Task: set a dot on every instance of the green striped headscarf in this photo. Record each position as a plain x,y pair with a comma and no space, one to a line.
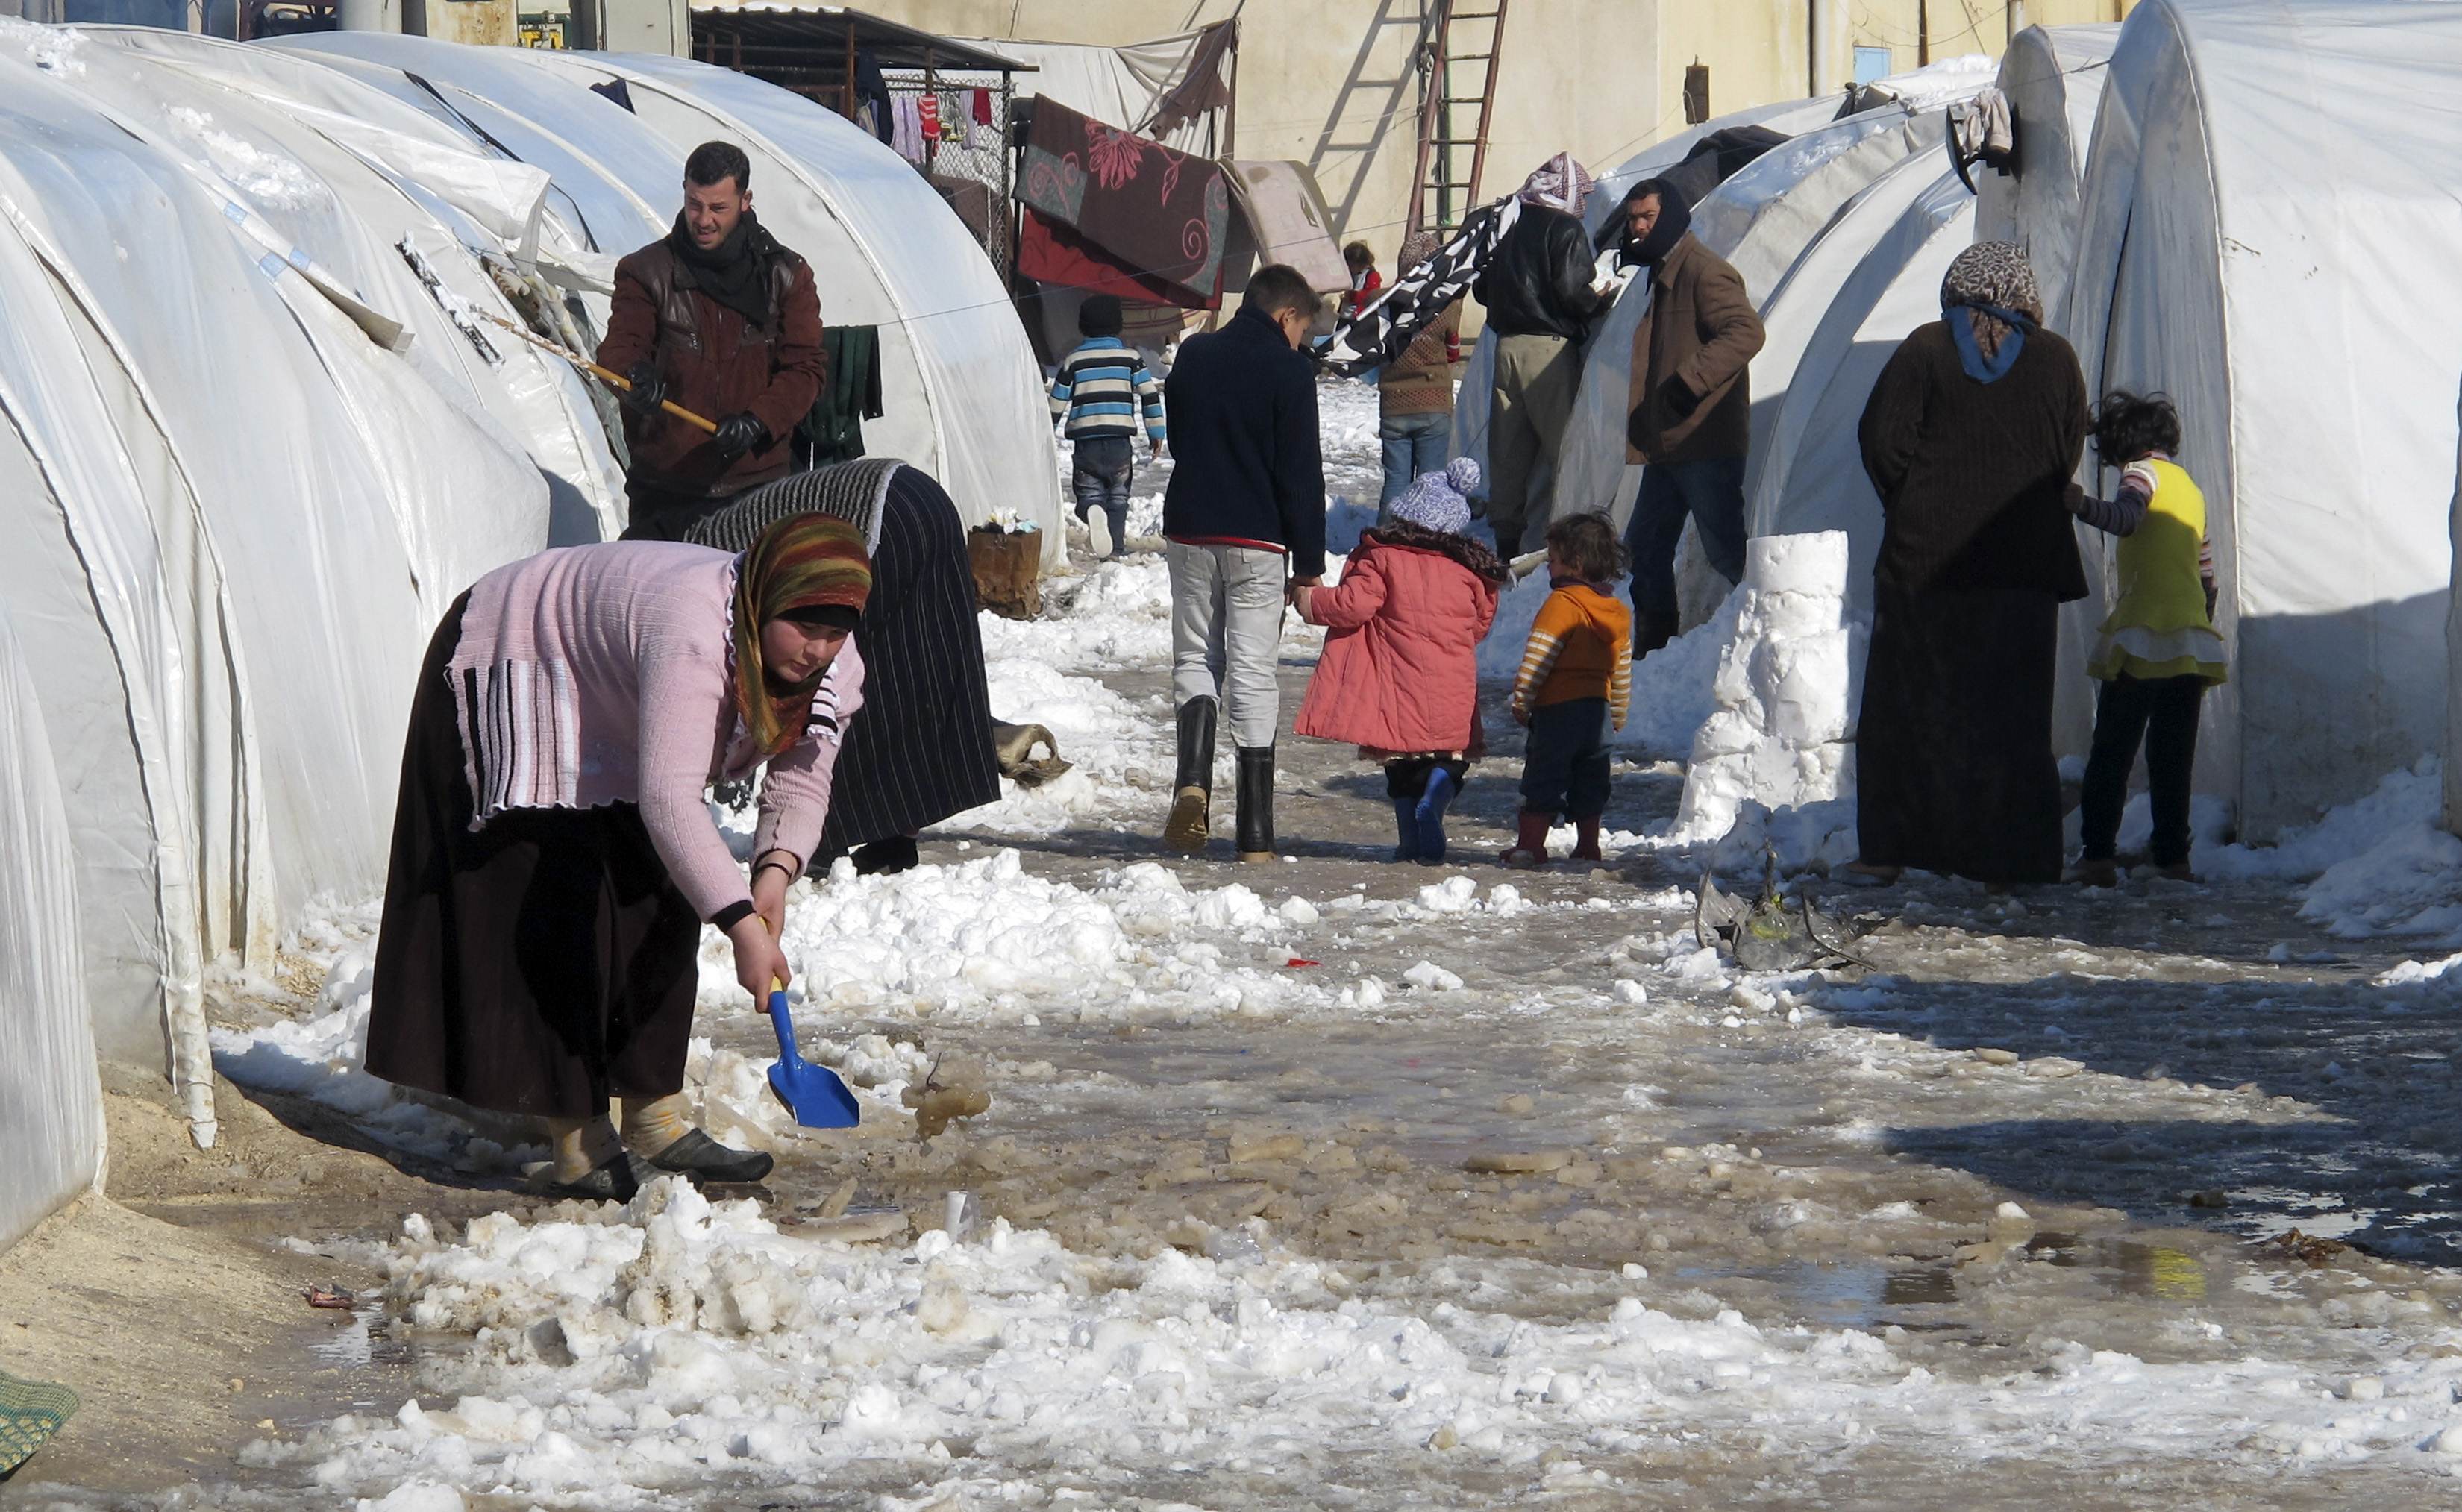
807,561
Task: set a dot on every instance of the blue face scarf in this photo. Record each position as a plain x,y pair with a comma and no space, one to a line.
1969,352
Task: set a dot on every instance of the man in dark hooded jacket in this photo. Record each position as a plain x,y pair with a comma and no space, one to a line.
718,319
1689,407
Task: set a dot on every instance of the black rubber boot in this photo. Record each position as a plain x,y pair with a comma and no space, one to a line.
885,857
1255,818
1191,790
1652,631
702,1158
614,1181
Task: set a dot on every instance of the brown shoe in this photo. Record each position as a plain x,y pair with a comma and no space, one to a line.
2096,872
2177,872
1865,874
1586,840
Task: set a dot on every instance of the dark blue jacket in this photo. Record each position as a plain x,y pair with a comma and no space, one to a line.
1243,444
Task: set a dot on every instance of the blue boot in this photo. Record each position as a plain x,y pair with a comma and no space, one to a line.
1406,819
1429,814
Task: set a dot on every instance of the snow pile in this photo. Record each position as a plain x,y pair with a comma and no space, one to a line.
1120,756
986,941
1673,687
1777,759
1115,615
681,1348
53,48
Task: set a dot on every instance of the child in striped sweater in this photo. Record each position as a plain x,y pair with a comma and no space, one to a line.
1095,399
1576,680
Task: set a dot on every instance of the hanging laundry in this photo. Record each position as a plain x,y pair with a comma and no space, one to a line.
908,136
834,429
953,117
929,107
982,107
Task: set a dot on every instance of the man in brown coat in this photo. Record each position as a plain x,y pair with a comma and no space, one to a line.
1690,409
719,318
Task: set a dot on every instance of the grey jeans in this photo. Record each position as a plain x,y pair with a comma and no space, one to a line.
1226,633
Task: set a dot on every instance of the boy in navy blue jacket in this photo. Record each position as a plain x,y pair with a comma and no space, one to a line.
1094,400
1245,519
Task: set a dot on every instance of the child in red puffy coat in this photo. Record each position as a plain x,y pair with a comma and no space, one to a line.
1400,677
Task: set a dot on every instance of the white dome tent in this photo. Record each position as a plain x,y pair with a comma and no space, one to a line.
1869,281
959,384
2267,211
225,559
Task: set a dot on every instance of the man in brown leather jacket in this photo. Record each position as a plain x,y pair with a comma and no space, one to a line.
717,318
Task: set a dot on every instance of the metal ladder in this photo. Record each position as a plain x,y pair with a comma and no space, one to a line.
1440,193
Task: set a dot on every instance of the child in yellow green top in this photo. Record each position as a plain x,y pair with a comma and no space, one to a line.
1576,680
2159,650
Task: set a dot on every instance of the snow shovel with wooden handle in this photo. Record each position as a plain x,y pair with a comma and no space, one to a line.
813,1094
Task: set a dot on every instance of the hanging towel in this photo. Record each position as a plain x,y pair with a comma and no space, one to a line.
850,396
982,107
908,114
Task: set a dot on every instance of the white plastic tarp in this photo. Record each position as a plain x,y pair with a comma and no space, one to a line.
51,1100
238,516
2053,76
2269,209
1119,86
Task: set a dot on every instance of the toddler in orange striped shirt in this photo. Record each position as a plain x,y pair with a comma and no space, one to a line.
1576,680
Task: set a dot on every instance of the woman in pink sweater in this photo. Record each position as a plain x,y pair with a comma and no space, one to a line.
1400,677
554,854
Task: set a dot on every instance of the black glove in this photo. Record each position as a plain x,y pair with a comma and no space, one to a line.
648,388
1682,400
737,434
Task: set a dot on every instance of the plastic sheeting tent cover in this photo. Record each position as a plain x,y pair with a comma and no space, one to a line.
50,1100
2268,218
960,384
2054,79
223,603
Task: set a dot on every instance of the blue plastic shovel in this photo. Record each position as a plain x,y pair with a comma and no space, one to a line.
813,1094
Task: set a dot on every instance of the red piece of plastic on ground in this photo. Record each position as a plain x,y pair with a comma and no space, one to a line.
1297,961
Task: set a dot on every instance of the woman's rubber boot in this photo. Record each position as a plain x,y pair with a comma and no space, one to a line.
1191,790
1530,843
1586,839
1406,825
1256,816
589,1161
702,1158
1652,631
1429,814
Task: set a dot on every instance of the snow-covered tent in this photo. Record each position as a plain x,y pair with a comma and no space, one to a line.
237,504
50,1101
959,384
2267,212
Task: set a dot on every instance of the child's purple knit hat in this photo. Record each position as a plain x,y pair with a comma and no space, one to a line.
1437,501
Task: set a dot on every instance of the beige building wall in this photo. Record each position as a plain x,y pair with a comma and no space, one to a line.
1331,83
